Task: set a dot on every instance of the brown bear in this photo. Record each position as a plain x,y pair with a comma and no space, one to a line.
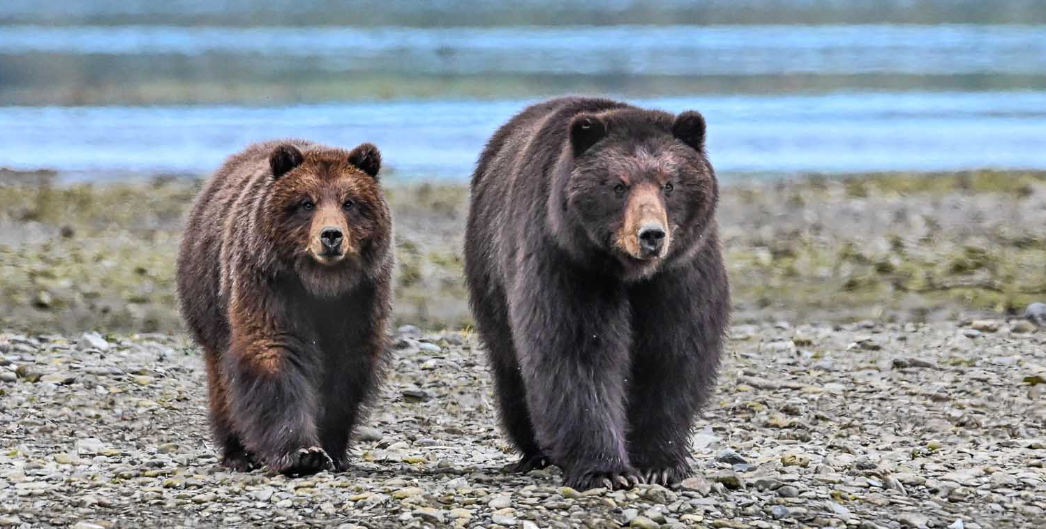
284,281
597,283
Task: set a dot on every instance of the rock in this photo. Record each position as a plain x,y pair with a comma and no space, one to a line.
87,525
913,520
59,379
788,491
502,519
430,514
730,457
842,512
500,502
407,492
93,340
368,434
957,524
697,484
779,511
8,376
642,522
729,479
204,498
143,380
89,446
416,395
429,347
460,513
1036,313
1022,327
985,325
10,521
659,495
263,494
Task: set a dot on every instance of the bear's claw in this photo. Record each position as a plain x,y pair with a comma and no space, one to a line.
304,461
621,479
528,463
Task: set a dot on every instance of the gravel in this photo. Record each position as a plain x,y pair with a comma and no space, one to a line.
932,428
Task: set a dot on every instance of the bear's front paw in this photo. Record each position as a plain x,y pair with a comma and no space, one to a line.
665,475
528,463
624,478
303,462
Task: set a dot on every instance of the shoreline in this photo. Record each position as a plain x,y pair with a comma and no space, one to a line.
882,247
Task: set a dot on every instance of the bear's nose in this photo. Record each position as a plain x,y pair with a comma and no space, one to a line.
331,238
651,238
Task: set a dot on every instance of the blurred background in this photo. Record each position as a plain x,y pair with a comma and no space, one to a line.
881,159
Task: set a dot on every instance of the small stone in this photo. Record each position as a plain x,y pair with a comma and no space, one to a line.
143,380
912,520
985,325
779,511
729,479
788,491
527,524
642,522
89,446
500,502
416,395
8,376
659,495
430,514
1035,313
502,519
429,347
10,521
204,498
730,457
58,379
408,331
64,459
569,493
263,494
87,525
368,434
957,524
698,484
93,340
1022,327
407,492
460,513
842,512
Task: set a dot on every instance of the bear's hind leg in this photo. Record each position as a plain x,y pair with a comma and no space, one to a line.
493,327
234,455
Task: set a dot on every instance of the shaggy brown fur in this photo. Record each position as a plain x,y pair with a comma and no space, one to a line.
284,280
596,279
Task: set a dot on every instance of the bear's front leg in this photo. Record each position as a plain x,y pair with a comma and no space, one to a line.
572,334
272,395
679,319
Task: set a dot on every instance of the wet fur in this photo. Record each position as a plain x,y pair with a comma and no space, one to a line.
293,349
601,362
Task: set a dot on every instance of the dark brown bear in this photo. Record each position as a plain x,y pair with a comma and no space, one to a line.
598,287
284,278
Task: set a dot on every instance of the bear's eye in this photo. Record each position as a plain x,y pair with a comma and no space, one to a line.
669,187
348,205
308,205
619,189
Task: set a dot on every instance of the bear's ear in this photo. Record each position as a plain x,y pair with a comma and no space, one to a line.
366,158
284,158
689,127
585,131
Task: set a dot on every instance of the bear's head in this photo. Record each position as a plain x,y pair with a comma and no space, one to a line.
327,216
639,188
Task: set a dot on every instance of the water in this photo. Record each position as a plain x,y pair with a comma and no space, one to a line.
176,89
441,139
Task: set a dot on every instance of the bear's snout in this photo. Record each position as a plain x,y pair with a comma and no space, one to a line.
651,239
331,238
